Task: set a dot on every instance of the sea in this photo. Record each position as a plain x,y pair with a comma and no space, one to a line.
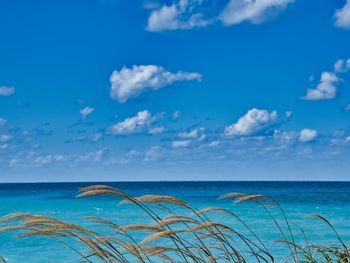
59,200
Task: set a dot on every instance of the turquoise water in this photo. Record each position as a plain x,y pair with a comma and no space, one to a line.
330,199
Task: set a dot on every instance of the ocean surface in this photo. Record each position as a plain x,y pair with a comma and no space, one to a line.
330,199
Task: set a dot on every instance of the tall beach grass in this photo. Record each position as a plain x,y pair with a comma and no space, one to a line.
179,232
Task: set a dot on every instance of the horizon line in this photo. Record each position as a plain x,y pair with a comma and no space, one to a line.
181,181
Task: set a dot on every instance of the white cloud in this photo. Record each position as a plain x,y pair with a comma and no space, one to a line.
156,130
181,144
255,120
97,136
254,11
89,138
326,88
191,134
2,121
50,158
176,115
307,135
187,14
95,155
202,137
7,91
289,114
285,137
135,124
214,143
85,112
130,83
342,16
5,137
154,153
192,137
341,66
179,15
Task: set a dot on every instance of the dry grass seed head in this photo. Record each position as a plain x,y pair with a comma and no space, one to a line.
11,228
231,195
209,225
181,217
132,249
248,198
44,232
156,249
153,199
164,233
94,247
100,192
168,222
15,216
96,187
140,227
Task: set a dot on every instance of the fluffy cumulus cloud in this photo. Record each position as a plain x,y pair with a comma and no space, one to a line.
7,91
191,137
342,65
85,112
187,14
131,82
254,121
139,123
342,16
179,15
307,135
254,11
195,133
326,88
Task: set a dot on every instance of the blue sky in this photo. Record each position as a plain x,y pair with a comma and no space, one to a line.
174,90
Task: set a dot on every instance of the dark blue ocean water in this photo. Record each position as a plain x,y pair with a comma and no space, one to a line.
330,199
